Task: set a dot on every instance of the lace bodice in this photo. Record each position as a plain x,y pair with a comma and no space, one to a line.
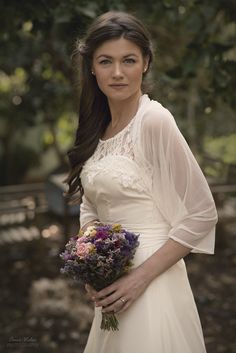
120,144
109,157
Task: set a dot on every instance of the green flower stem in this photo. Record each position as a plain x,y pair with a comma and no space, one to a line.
109,322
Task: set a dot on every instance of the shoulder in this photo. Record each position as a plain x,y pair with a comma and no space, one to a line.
156,117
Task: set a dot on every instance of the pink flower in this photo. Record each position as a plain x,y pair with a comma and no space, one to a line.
84,249
80,240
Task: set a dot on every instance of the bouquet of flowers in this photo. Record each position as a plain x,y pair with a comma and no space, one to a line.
99,256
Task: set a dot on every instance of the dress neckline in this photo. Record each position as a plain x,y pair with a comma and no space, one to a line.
127,126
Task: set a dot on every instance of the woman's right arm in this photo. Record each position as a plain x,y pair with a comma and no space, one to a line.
88,213
88,217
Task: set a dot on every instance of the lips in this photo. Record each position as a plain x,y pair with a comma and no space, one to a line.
118,85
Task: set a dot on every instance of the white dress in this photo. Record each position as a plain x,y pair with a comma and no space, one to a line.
147,179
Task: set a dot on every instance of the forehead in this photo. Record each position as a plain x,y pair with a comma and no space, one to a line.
117,47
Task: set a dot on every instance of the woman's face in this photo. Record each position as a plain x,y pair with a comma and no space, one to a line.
118,65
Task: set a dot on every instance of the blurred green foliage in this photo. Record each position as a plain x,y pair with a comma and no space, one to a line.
193,74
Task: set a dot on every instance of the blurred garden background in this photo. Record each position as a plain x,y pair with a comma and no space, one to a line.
193,75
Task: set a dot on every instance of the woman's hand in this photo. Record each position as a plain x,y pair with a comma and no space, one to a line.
122,293
88,224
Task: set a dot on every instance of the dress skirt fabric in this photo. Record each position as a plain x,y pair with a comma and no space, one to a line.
164,319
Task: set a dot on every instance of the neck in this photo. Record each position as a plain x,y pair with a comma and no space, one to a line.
123,111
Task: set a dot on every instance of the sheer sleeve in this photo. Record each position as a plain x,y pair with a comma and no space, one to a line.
88,212
179,187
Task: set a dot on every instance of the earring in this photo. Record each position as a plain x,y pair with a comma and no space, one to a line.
93,73
144,70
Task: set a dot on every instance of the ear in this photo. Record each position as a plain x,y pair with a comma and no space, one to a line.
146,63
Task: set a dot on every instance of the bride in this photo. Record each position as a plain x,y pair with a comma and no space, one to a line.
134,167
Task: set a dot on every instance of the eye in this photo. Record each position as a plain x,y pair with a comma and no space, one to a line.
130,61
104,62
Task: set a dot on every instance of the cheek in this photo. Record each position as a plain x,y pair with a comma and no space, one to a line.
136,75
101,79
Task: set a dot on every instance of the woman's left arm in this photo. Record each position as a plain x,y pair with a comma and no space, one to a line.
182,195
180,190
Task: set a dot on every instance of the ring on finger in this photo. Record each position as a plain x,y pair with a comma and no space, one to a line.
122,300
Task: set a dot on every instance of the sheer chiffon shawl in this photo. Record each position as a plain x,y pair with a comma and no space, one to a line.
179,187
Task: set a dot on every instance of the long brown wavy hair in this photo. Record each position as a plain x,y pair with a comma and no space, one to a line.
94,113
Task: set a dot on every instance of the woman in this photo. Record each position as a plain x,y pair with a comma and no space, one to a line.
136,169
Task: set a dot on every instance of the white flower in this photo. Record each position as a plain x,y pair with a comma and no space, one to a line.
90,229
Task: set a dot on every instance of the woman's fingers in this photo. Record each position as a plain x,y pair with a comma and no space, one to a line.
107,291
104,302
117,307
91,291
124,307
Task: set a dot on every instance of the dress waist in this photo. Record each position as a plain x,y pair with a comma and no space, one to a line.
151,234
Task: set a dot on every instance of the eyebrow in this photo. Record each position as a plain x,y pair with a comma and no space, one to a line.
110,57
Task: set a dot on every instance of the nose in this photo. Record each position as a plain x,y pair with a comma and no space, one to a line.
117,71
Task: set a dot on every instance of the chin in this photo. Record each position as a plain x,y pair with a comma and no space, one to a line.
119,96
